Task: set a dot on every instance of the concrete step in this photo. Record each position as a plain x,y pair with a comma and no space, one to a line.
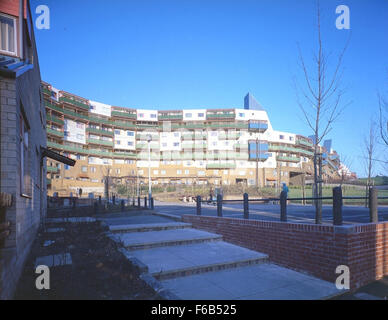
182,260
169,237
148,227
257,282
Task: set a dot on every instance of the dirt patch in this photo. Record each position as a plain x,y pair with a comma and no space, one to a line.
98,269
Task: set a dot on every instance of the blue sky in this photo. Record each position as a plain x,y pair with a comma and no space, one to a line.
192,54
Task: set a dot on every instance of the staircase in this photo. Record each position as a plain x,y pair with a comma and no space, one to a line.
195,264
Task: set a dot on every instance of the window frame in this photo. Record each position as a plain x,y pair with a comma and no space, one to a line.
15,53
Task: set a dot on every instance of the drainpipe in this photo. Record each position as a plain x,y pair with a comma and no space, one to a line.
21,17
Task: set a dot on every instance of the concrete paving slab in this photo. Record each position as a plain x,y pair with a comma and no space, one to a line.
60,259
148,227
257,282
71,220
135,219
195,257
148,239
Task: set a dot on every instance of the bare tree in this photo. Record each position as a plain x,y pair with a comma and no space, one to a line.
321,103
383,123
369,151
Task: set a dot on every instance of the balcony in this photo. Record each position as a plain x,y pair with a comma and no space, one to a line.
220,115
100,142
258,126
221,165
54,132
55,119
124,155
63,147
291,149
94,152
168,117
78,104
54,107
100,131
100,120
122,114
46,91
288,158
194,125
75,114
304,142
124,125
52,169
260,157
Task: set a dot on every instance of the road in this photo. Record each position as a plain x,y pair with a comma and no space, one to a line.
271,212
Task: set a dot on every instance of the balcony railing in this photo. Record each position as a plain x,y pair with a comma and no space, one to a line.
75,114
290,149
100,131
55,132
75,103
52,169
258,126
124,114
288,158
220,166
101,142
225,115
54,107
170,116
55,119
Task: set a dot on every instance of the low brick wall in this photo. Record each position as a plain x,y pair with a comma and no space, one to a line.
316,249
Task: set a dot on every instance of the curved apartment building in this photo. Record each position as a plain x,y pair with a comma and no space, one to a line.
198,146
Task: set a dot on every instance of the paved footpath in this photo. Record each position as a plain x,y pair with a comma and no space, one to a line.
195,264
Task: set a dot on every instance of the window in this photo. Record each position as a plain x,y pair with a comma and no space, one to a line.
25,177
291,138
117,132
66,133
176,134
67,167
118,171
164,144
7,34
201,115
141,115
281,137
84,169
215,171
118,142
130,143
187,171
241,115
188,115
179,172
156,172
130,133
163,171
214,133
93,169
176,144
153,115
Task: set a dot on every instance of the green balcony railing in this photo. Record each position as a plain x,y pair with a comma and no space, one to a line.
100,120
101,142
75,114
124,114
221,166
290,149
124,155
75,103
46,91
55,119
52,169
170,117
288,158
124,124
54,107
67,148
304,142
54,132
100,131
220,115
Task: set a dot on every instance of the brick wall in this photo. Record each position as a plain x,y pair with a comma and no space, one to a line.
315,249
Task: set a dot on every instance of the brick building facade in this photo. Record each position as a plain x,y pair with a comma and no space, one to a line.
22,139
